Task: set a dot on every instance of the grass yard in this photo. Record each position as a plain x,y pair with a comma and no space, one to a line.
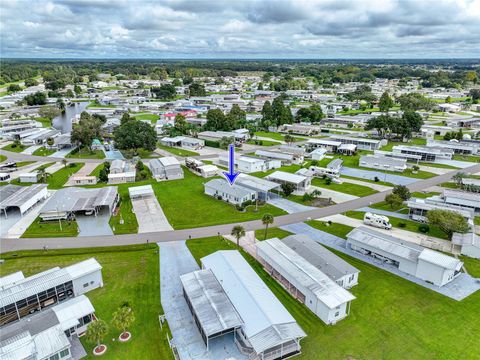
177,151
275,136
86,154
14,148
94,105
287,168
347,188
435,165
60,177
51,229
3,158
130,273
96,171
469,158
46,122
339,230
24,163
472,265
43,151
382,205
412,142
476,220
125,214
390,318
368,180
262,142
424,194
186,206
272,233
410,225
150,117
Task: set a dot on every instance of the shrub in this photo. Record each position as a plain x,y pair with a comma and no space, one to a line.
328,181
72,165
376,179
423,228
402,224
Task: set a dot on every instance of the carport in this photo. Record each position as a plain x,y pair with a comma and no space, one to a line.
21,197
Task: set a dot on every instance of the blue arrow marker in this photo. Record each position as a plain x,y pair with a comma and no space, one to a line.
231,175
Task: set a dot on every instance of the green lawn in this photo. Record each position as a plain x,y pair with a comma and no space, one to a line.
472,265
441,166
410,225
289,168
24,163
130,273
272,233
3,158
339,230
94,105
368,180
390,318
43,151
86,154
469,158
51,229
411,142
347,188
125,214
476,220
177,151
60,177
150,117
275,136
46,122
382,205
186,206
262,142
96,171
424,194
14,148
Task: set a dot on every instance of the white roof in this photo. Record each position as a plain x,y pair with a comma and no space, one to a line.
351,147
51,341
169,161
288,177
211,305
256,183
140,190
439,259
68,312
324,142
289,262
11,278
266,321
208,168
274,155
83,268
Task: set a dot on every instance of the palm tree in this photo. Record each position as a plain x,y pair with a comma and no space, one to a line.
43,175
267,219
238,232
289,139
96,331
123,318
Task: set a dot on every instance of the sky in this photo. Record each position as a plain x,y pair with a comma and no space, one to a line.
246,29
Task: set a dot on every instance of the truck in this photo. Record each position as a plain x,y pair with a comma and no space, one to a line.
376,220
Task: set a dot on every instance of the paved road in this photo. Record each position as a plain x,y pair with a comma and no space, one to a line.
175,235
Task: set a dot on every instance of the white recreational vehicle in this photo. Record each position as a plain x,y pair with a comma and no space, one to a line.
376,220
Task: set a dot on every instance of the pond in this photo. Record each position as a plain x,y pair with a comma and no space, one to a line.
63,122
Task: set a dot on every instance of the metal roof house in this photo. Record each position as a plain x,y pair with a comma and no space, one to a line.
211,308
48,334
21,296
362,143
462,198
328,300
426,154
183,141
121,172
22,198
260,185
286,159
330,145
458,147
418,209
268,330
300,182
383,163
235,194
249,164
166,168
324,260
469,244
66,202
428,265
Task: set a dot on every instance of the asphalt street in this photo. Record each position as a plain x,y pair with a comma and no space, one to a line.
7,245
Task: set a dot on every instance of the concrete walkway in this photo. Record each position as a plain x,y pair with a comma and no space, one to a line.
456,163
461,287
30,150
419,239
150,216
246,242
370,185
289,206
84,171
176,260
367,174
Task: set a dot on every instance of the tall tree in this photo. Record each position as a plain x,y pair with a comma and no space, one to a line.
448,221
215,120
267,219
134,135
123,318
386,102
96,331
236,118
196,89
402,191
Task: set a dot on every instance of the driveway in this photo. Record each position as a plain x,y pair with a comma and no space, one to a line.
456,163
176,260
150,216
84,171
462,286
373,186
289,206
94,225
61,153
30,150
370,175
336,196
